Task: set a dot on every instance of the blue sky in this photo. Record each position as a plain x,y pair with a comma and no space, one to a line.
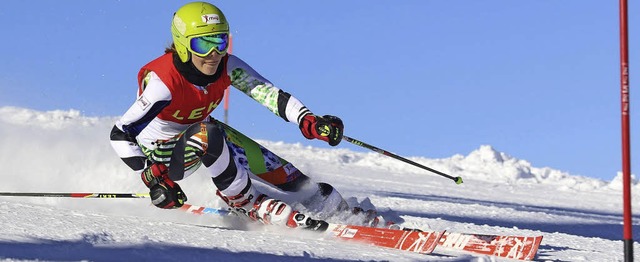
538,80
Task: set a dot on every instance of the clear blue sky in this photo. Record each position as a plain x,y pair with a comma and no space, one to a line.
538,80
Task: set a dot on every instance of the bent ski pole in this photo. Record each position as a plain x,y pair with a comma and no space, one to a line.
77,195
457,179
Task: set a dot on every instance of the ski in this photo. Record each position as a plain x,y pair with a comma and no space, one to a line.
513,247
200,210
408,240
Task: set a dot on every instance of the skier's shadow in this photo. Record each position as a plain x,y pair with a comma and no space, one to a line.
609,229
84,250
545,252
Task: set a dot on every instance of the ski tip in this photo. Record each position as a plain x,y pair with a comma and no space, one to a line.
458,180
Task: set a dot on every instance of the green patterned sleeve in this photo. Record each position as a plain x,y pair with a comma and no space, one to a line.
250,82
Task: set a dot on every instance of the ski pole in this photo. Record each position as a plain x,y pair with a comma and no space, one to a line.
77,195
457,179
192,209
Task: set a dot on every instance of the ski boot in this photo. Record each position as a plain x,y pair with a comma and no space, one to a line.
260,207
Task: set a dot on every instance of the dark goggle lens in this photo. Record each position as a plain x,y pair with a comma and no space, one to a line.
203,45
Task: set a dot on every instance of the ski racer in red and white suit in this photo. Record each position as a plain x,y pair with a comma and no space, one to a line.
168,133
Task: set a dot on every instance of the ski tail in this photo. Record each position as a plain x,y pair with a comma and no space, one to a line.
513,247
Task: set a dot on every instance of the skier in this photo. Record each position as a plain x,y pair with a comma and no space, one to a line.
167,133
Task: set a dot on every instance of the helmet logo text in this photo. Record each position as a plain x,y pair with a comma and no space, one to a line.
211,19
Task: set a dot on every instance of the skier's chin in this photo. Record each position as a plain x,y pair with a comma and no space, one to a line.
210,68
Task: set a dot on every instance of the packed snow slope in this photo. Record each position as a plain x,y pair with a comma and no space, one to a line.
63,151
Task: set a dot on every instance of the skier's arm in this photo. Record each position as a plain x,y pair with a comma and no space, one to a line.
148,105
243,77
247,80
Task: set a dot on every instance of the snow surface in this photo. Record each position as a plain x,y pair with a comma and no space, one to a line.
63,151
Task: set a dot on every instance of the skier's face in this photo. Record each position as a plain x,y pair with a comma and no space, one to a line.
208,65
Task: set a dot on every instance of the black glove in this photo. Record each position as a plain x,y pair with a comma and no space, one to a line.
326,128
163,191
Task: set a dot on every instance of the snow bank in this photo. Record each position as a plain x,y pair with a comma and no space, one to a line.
68,135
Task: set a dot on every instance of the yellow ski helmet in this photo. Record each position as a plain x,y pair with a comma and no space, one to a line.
194,20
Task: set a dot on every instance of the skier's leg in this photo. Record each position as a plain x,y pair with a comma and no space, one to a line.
232,179
277,171
320,198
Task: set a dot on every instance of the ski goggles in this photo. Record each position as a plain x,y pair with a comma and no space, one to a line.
204,45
